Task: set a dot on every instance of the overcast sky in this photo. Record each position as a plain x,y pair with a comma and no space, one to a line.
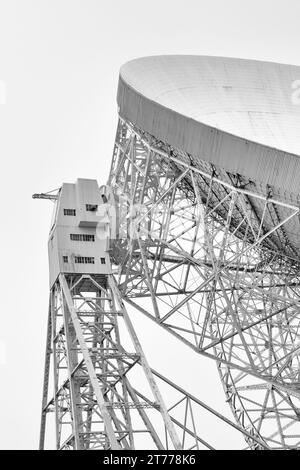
59,62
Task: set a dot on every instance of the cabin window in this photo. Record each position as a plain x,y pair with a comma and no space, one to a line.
82,237
70,212
102,260
65,259
91,207
84,260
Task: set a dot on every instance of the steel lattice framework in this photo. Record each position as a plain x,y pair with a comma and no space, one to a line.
197,258
97,400
198,230
200,253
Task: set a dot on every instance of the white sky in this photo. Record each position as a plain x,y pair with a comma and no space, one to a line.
59,62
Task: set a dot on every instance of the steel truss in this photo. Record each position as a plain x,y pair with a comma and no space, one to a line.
207,259
96,361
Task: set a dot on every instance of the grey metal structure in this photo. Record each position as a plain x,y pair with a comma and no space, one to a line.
98,398
202,205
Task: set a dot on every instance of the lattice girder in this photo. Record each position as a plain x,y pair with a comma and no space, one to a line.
207,260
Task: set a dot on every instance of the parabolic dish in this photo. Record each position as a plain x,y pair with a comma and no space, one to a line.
242,116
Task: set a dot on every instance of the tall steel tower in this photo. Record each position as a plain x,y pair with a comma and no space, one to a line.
197,229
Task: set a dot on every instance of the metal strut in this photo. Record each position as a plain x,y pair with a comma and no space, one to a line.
95,359
208,262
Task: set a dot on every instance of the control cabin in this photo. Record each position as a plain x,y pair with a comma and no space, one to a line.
79,235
